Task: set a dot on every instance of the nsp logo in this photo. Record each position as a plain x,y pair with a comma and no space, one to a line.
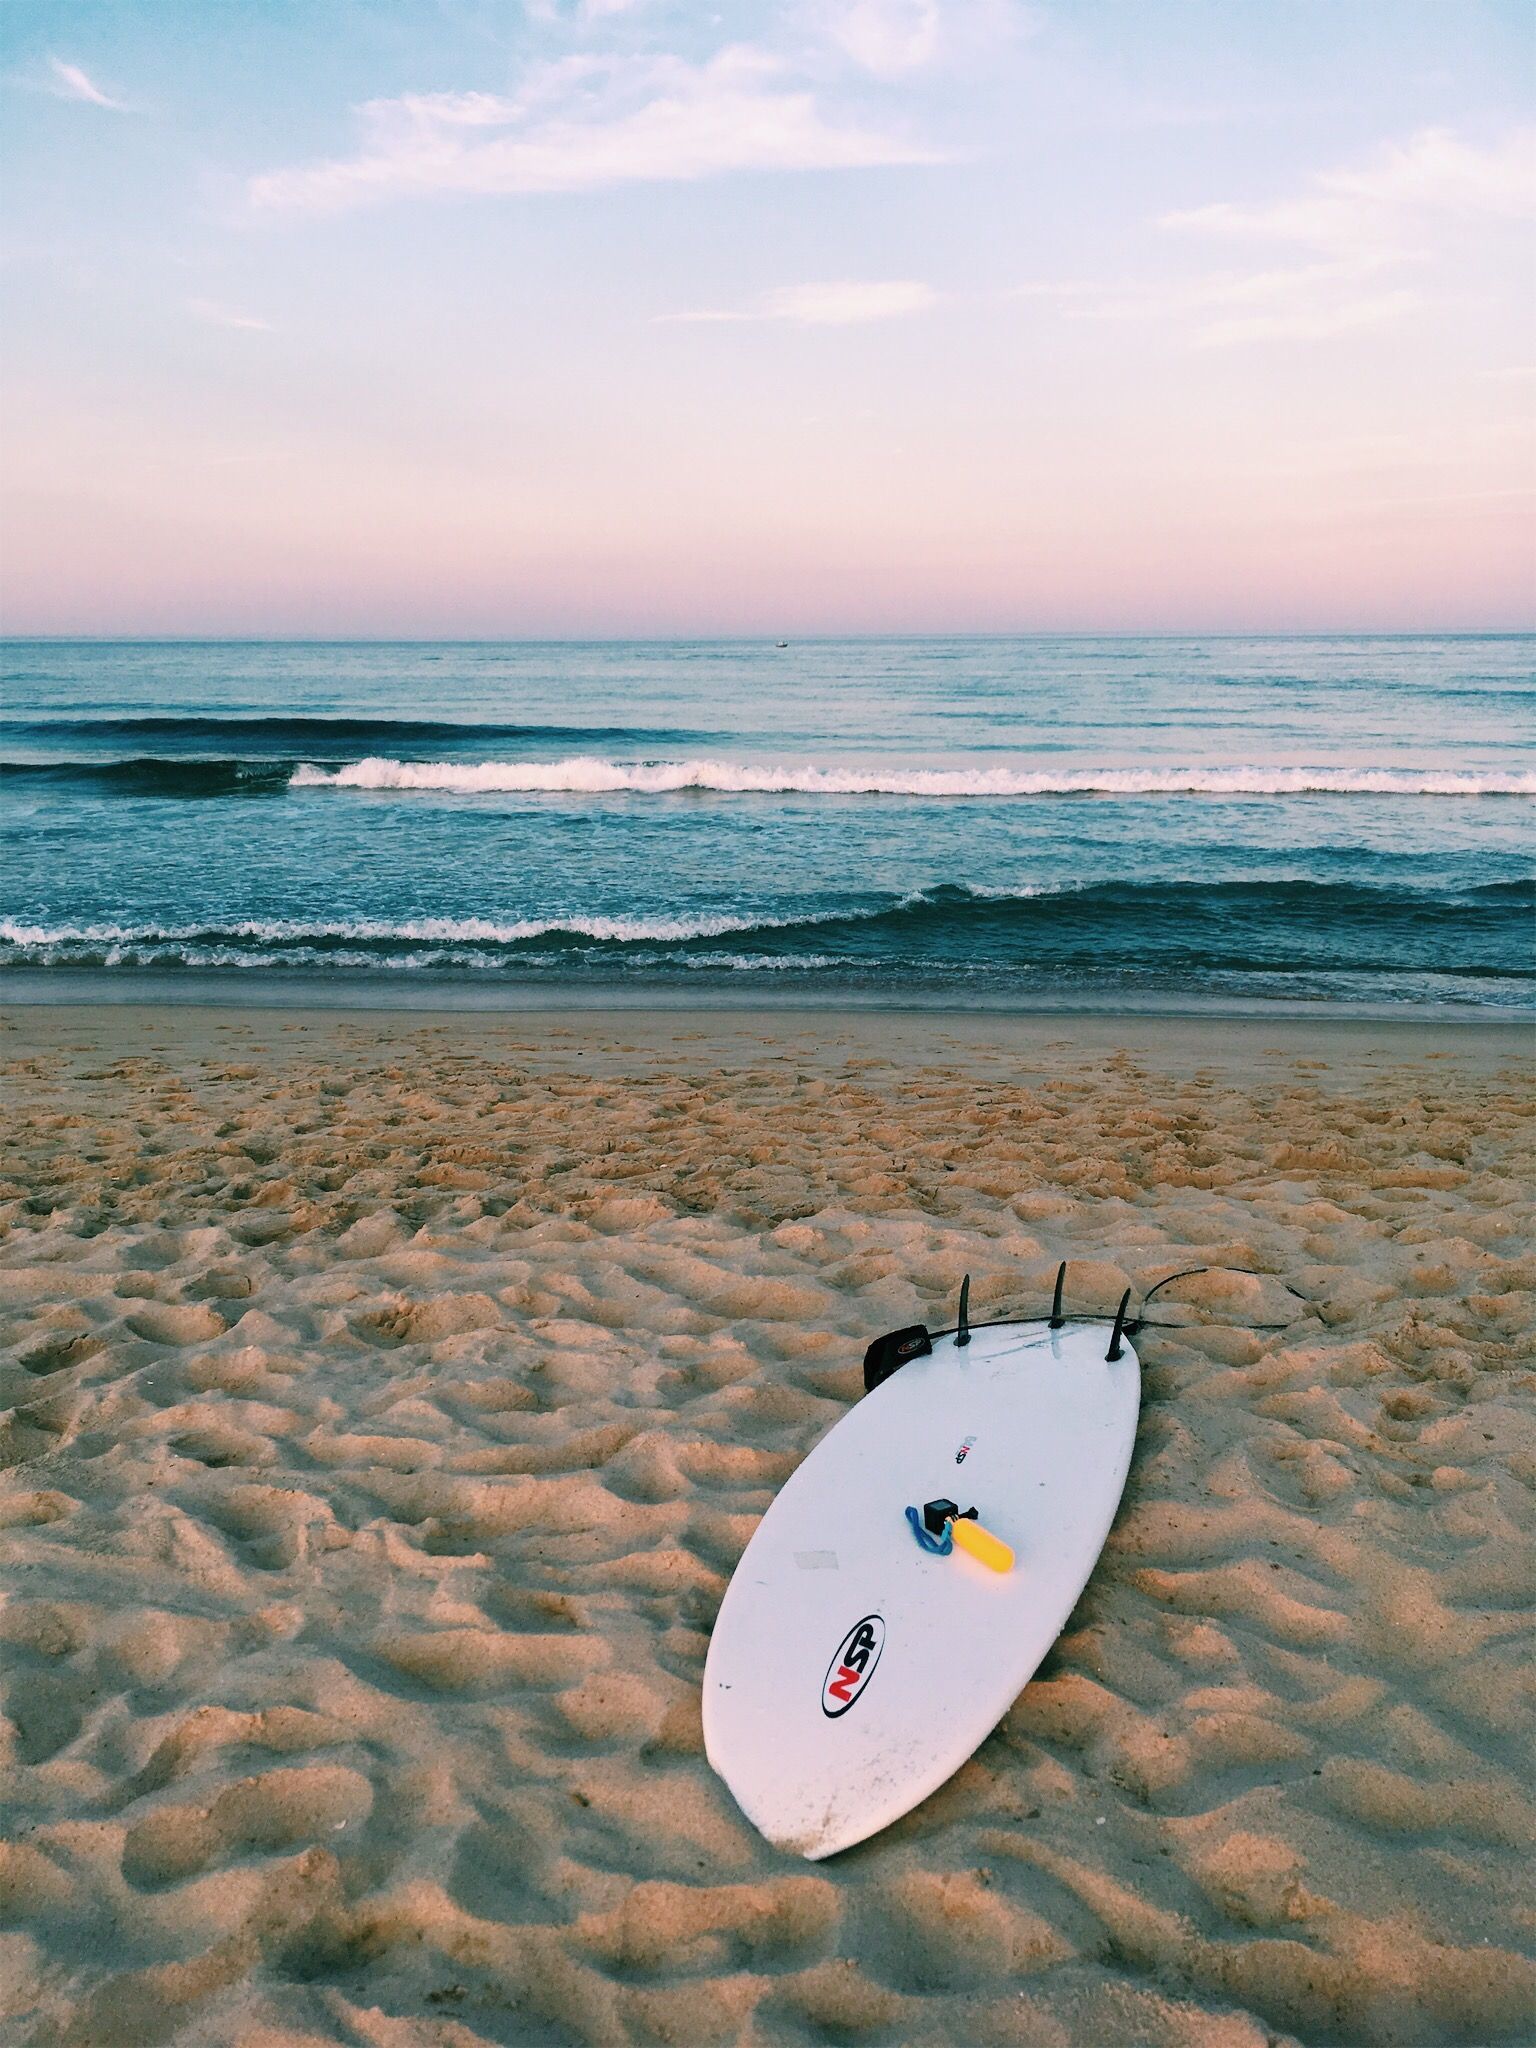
853,1666
960,1455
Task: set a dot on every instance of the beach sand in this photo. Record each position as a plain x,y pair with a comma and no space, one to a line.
389,1398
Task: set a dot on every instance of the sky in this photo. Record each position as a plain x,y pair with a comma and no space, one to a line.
590,318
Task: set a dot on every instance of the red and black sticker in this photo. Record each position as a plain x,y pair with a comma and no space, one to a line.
853,1666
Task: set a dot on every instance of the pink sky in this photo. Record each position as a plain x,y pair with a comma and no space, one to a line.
892,316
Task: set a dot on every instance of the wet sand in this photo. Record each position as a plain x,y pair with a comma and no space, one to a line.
388,1398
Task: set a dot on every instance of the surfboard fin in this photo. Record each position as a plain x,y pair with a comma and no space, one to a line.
891,1352
963,1333
1116,1348
1058,1320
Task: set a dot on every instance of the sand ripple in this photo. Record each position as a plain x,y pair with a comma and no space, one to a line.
386,1407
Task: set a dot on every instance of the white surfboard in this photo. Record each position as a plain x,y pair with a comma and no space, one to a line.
851,1671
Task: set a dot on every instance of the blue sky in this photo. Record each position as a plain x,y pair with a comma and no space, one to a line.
846,315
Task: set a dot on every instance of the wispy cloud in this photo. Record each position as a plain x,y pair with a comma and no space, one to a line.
1299,302
1312,302
887,36
69,82
587,122
1373,209
843,304
892,38
561,13
225,316
1361,233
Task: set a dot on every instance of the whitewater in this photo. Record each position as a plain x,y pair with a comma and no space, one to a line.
586,774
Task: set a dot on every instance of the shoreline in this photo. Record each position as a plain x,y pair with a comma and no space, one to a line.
700,1034
259,992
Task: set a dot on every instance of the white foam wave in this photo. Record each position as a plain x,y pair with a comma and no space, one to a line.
448,931
586,774
481,931
186,953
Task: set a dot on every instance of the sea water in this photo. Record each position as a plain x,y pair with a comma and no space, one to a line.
1024,822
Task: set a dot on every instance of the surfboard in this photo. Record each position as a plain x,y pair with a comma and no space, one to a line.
852,1670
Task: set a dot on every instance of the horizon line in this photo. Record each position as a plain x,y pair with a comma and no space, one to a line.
758,639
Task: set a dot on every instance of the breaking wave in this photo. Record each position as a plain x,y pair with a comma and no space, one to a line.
186,775
587,774
1253,928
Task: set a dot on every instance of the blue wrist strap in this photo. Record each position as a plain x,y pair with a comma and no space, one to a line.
939,1546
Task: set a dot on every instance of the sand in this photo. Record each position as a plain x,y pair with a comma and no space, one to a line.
389,1398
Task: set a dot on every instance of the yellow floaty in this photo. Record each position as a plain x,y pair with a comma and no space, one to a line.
990,1550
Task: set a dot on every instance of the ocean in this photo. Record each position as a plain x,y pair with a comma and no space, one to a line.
1026,823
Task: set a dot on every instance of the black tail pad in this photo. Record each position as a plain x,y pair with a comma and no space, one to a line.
891,1352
